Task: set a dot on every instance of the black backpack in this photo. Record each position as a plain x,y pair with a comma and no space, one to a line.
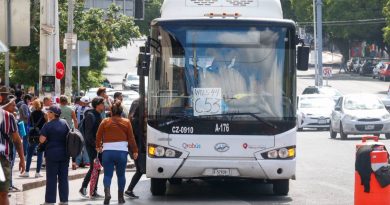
74,142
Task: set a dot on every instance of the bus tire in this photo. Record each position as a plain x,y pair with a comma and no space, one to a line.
158,187
281,187
175,181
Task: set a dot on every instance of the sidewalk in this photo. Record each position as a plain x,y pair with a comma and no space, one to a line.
25,184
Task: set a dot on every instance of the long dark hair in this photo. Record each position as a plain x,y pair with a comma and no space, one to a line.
117,109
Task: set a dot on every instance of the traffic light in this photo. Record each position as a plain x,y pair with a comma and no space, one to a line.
139,9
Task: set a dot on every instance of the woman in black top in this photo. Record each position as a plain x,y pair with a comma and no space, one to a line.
36,121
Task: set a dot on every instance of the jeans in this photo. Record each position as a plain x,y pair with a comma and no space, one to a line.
136,177
83,157
30,153
92,155
117,160
57,170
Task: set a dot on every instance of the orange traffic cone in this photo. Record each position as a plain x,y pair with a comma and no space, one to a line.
377,194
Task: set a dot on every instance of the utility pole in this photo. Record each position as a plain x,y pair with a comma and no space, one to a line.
315,44
7,43
68,72
319,44
49,51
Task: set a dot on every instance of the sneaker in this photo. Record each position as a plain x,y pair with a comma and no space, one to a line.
83,192
37,175
25,174
97,196
131,194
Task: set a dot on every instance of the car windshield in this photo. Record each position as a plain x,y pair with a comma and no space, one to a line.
316,103
363,103
330,92
132,77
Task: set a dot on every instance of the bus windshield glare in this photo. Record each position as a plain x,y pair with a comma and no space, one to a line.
229,73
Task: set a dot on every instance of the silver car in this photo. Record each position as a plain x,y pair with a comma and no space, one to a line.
314,111
359,114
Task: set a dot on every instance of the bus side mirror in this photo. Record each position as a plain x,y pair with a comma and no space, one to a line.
143,63
303,58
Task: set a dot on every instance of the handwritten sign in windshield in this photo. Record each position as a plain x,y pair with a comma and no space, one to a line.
207,101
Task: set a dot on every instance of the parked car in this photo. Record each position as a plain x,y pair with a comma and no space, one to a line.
130,82
378,67
325,90
359,114
384,74
314,111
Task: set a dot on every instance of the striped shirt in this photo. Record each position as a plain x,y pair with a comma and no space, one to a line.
7,127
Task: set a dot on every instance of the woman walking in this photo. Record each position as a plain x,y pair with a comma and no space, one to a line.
37,120
54,135
115,138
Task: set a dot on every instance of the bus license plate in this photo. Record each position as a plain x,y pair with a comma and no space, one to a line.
369,127
221,172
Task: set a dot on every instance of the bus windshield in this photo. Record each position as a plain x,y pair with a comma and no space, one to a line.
222,72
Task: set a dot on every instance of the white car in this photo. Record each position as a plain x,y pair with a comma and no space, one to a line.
360,114
314,111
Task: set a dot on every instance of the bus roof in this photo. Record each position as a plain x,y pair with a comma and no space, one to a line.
187,9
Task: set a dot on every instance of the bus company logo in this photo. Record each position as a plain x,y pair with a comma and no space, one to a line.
191,146
221,147
245,145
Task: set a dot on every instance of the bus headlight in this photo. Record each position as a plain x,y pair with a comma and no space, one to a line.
281,153
157,151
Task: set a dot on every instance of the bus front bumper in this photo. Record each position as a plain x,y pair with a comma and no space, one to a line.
209,168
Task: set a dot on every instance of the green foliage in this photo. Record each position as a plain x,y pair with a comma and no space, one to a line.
104,30
345,10
152,11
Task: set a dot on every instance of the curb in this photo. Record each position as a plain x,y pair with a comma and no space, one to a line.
41,183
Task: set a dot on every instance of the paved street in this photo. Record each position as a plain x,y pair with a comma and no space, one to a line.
325,168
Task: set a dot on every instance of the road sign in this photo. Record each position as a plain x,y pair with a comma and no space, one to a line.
70,38
327,71
3,48
83,51
19,22
60,70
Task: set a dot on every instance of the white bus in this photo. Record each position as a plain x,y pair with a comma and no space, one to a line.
222,93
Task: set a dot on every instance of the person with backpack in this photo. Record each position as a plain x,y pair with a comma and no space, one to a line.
88,128
24,115
54,135
114,139
37,120
82,160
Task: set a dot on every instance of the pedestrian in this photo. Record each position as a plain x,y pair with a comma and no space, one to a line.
24,115
54,134
10,106
82,160
92,120
67,113
46,104
140,140
37,120
115,138
101,92
8,133
118,96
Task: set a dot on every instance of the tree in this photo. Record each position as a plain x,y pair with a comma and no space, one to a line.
337,11
152,11
105,31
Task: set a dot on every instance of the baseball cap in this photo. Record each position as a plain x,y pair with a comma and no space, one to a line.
55,109
85,99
